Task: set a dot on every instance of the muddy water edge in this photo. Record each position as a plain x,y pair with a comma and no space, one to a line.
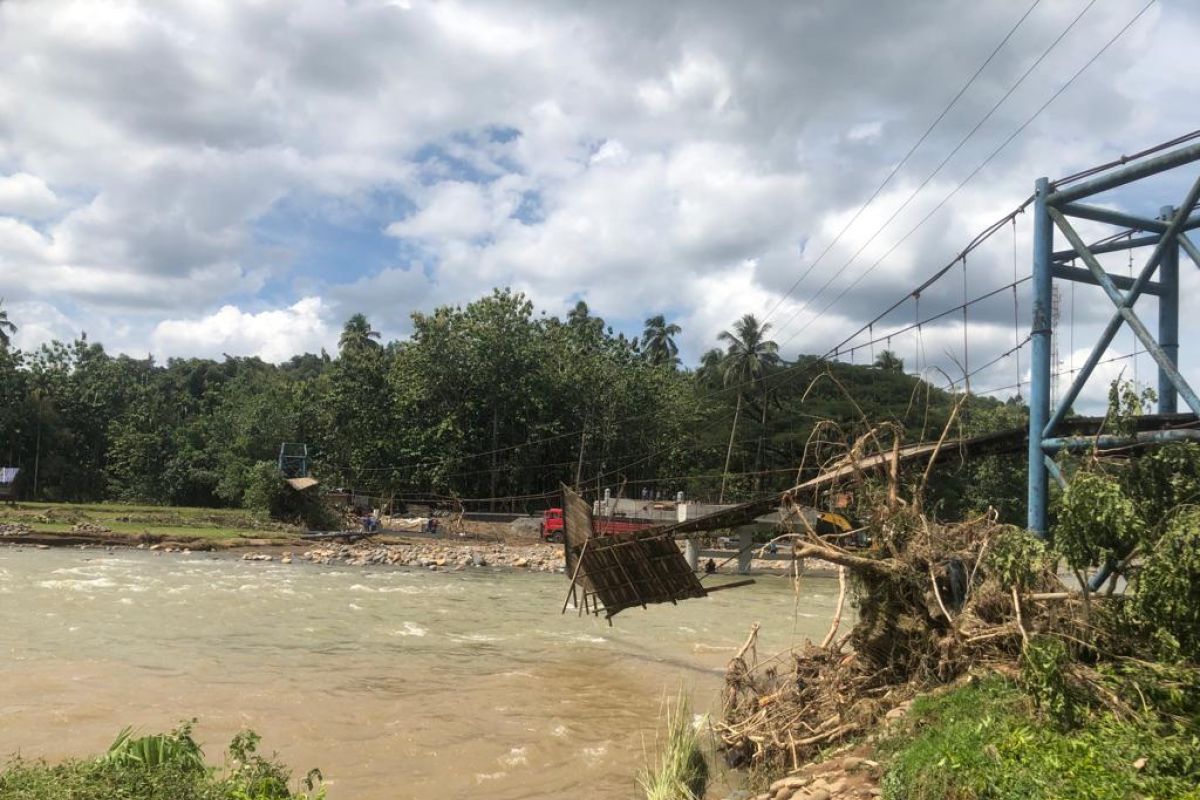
397,682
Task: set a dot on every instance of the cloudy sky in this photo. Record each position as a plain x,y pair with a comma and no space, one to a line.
186,177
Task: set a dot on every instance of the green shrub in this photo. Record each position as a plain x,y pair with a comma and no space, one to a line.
1166,590
1097,521
269,493
156,767
984,741
1016,558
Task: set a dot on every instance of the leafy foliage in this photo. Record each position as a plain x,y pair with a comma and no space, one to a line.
1045,665
1016,557
1167,591
1097,520
176,748
158,767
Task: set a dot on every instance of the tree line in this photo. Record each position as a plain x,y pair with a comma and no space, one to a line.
489,402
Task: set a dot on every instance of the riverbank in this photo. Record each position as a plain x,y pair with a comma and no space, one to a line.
176,530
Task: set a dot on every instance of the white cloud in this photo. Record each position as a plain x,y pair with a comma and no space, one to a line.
273,335
865,131
690,159
452,210
25,195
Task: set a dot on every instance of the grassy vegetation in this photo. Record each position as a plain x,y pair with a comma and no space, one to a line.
677,769
157,767
136,521
987,741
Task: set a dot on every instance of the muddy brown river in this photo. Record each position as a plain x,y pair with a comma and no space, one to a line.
396,683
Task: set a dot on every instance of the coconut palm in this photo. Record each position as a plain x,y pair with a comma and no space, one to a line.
357,335
748,357
6,327
711,371
658,343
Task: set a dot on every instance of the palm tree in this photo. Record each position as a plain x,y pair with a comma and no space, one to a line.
711,371
748,358
658,344
888,361
6,328
357,335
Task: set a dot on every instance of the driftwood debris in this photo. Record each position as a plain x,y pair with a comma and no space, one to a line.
932,606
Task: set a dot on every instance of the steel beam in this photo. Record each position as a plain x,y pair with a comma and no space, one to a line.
1080,275
1110,247
1111,217
1055,472
1128,174
1115,322
1189,248
1039,389
1124,305
1082,444
1168,323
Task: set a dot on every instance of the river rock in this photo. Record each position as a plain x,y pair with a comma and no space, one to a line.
790,783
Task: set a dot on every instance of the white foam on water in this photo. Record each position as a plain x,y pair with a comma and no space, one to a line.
480,777
79,585
515,758
595,754
358,587
476,637
410,629
126,601
560,731
355,607
588,638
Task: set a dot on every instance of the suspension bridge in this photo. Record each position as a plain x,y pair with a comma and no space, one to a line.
1052,427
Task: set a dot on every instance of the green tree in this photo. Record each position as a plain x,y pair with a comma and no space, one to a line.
6,327
888,361
748,357
658,342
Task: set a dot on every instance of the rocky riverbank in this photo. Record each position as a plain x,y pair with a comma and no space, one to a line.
847,777
436,555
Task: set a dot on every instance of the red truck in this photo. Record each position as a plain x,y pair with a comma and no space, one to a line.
552,525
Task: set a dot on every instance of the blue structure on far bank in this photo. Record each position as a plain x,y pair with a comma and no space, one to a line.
1054,207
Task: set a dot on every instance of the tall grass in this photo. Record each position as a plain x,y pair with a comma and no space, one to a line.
676,770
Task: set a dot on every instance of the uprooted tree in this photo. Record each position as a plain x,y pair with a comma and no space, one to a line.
939,600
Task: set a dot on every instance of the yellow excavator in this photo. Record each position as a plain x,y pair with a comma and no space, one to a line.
838,526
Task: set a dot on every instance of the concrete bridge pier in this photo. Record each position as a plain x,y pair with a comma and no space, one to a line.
745,548
691,553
